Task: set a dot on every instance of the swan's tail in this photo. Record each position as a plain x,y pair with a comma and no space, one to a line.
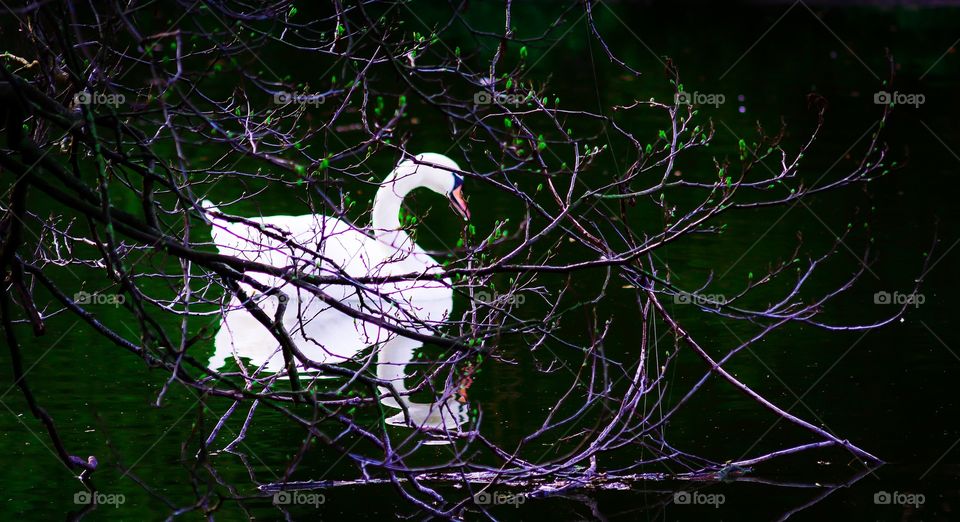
217,231
209,206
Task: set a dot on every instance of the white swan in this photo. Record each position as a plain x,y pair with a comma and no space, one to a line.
326,246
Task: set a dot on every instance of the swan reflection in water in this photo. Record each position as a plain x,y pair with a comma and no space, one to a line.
326,246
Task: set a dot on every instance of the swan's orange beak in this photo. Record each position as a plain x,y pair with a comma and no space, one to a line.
459,204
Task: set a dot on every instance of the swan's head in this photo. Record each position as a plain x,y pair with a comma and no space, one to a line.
433,171
438,173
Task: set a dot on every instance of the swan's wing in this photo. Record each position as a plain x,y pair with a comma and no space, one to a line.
314,244
270,237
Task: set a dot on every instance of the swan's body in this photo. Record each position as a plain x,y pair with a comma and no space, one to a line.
326,246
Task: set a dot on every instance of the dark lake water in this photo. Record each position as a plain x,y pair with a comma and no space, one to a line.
891,391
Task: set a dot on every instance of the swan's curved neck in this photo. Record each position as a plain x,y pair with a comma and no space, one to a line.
386,204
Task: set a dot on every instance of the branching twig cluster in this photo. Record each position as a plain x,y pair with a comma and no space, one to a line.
125,120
